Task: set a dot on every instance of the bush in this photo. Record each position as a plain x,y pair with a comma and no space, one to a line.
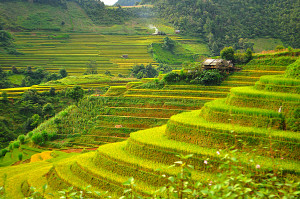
52,136
3,152
37,138
171,77
212,77
227,53
20,156
21,138
16,144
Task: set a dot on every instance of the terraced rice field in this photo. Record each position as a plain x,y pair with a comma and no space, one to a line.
75,52
204,133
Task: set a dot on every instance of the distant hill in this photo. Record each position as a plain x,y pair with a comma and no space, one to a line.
225,22
127,2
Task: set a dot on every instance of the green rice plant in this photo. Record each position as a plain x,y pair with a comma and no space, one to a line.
187,93
116,90
218,111
133,84
189,127
278,84
104,179
168,97
249,97
153,145
278,61
143,112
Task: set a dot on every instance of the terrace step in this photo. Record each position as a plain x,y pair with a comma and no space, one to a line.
152,144
190,127
62,176
112,130
113,157
142,112
250,97
172,103
169,97
278,83
197,88
104,178
178,93
219,111
131,121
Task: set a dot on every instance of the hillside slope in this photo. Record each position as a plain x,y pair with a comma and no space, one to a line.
16,15
225,22
248,115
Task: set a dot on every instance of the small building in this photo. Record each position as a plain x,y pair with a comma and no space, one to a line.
219,64
125,56
177,31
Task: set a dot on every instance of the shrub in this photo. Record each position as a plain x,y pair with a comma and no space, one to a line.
211,77
16,144
293,70
37,138
227,53
20,156
171,77
52,136
3,152
21,138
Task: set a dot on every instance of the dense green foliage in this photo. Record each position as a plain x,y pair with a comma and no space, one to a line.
127,2
141,71
208,77
22,115
7,43
224,23
29,77
293,70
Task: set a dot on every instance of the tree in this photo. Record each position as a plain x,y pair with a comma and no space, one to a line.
227,53
21,139
91,67
52,91
32,122
164,68
63,72
6,39
4,97
249,55
76,93
48,110
168,44
140,71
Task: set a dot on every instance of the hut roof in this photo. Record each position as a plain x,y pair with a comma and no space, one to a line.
213,62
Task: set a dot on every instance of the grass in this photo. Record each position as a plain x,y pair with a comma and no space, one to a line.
190,127
16,79
157,147
116,90
263,44
219,111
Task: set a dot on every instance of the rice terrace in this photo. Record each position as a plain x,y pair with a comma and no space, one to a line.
149,99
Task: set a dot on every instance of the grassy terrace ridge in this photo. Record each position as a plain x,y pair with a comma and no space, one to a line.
165,96
279,80
219,111
194,120
158,147
190,127
116,153
251,92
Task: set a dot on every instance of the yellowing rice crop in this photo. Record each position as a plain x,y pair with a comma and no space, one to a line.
41,156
